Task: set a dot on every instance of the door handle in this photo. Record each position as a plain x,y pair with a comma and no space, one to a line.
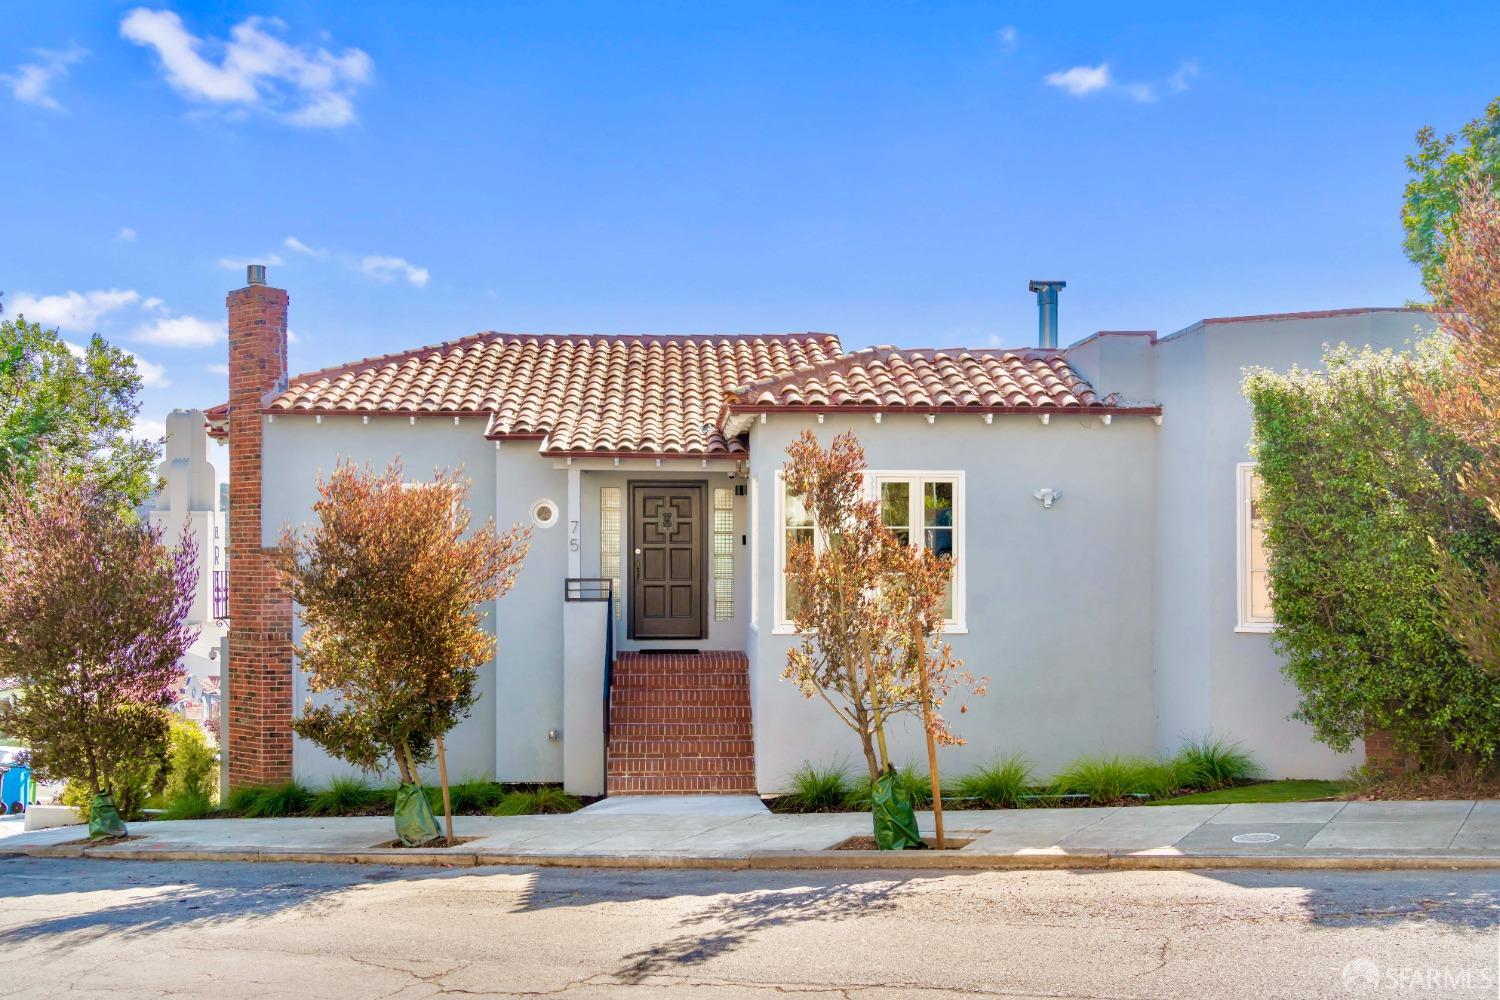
637,562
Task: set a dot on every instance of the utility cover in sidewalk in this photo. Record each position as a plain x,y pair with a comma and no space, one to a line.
1257,838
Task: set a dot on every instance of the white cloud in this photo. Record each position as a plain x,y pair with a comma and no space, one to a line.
180,331
304,86
152,304
148,430
153,375
292,243
1081,81
76,311
1182,79
126,235
32,82
1009,41
291,336
238,263
218,369
386,268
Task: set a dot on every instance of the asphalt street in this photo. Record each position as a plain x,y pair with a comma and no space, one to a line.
93,928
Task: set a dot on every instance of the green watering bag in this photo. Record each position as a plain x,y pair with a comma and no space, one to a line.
415,824
895,820
104,818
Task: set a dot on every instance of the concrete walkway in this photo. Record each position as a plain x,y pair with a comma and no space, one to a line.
642,832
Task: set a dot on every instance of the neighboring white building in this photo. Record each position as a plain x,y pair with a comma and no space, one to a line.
189,497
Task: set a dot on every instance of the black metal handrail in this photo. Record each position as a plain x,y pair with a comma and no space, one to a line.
599,588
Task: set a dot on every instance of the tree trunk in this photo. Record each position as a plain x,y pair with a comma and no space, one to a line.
932,768
403,757
443,779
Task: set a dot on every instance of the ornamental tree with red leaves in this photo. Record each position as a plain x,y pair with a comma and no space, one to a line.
1467,405
868,607
92,624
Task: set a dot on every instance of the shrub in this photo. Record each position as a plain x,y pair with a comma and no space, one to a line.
1209,763
535,801
818,788
239,800
1363,506
131,783
192,764
999,784
342,796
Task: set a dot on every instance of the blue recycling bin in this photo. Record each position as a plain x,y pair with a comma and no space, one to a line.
15,788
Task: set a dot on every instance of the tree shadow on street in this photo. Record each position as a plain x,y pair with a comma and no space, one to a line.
138,899
731,920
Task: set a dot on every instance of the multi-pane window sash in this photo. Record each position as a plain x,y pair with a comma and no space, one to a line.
921,509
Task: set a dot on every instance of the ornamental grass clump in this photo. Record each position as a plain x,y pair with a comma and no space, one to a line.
1208,763
817,788
391,585
538,801
1003,783
93,610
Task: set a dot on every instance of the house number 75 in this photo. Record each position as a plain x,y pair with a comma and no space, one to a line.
572,536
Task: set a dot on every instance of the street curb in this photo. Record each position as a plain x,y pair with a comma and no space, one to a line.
782,860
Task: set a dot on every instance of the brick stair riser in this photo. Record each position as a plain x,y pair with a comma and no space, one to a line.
735,697
688,748
681,731
681,765
672,682
681,785
679,714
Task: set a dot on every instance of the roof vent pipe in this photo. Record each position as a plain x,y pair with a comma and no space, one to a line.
255,274
1046,311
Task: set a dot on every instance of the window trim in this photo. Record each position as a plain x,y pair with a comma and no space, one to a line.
1245,620
958,624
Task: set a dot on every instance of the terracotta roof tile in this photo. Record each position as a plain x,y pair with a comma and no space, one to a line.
887,378
605,394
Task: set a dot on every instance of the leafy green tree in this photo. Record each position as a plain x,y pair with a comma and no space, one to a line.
1468,406
74,411
1362,500
92,624
390,583
1440,168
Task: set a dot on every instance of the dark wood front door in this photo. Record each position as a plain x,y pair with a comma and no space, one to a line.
666,528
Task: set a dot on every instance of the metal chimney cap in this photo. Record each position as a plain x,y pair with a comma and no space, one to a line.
255,274
1042,284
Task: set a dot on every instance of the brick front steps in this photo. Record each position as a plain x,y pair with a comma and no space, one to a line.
680,724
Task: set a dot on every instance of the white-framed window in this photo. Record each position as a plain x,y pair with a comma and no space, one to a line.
1253,576
923,508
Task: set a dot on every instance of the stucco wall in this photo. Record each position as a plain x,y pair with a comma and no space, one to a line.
297,449
1059,601
1211,677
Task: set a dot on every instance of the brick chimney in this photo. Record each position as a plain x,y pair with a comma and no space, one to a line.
258,676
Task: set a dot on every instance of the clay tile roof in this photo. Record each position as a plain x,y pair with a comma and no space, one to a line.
885,378
579,394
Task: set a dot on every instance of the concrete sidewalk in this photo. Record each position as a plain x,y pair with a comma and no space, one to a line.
738,833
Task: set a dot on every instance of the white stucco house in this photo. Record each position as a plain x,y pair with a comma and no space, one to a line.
189,500
1098,499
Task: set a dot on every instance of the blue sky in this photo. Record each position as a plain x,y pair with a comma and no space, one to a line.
891,172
